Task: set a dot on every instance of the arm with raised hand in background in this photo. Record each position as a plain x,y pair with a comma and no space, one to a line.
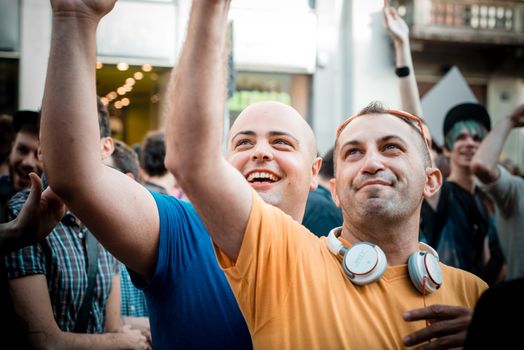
484,163
399,31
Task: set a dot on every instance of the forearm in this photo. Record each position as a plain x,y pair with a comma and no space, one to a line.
9,238
484,163
198,91
69,103
409,94
78,341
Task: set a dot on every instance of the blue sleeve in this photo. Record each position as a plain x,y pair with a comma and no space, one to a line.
178,220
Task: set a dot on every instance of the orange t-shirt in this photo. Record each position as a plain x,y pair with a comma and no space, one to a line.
294,293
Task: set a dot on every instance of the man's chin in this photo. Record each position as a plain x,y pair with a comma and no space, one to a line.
20,184
270,198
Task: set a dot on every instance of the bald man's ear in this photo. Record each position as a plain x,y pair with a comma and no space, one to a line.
315,169
107,147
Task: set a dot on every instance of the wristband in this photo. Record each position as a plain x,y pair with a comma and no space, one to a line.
402,71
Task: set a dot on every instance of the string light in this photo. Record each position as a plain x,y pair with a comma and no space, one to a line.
122,66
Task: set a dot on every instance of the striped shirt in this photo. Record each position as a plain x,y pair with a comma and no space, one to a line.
133,299
62,258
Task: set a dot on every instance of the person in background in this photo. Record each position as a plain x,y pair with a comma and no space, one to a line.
506,191
23,158
7,136
322,214
40,214
133,306
155,175
493,324
66,288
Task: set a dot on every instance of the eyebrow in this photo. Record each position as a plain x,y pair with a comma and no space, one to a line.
382,139
271,133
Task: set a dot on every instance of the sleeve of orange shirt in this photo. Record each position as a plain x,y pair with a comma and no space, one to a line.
267,261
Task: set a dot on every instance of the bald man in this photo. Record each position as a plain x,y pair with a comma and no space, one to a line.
160,239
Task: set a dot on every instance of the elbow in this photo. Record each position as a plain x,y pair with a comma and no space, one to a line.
482,171
172,164
61,188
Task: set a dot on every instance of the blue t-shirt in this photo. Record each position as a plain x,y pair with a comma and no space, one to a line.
191,305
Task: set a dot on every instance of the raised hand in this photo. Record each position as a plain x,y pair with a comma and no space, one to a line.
447,327
517,117
94,9
395,24
40,214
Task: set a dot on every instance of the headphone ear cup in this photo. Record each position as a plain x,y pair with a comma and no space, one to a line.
364,263
423,265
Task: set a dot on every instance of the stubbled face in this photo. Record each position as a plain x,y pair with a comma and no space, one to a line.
23,160
380,172
272,146
464,148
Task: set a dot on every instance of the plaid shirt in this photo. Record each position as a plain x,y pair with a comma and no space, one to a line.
133,299
62,258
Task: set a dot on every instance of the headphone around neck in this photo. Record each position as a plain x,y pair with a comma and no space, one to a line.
365,263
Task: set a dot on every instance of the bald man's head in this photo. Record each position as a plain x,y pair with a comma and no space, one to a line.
275,149
276,114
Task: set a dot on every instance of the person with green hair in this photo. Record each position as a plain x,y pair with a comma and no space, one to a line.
459,224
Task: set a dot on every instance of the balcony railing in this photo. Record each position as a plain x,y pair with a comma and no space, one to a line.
492,21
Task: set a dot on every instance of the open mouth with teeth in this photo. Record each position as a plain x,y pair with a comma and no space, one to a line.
262,177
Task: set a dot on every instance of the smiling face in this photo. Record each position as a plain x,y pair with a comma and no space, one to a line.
463,141
381,171
24,159
274,149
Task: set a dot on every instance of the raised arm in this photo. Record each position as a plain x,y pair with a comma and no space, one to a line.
399,31
197,95
484,163
121,214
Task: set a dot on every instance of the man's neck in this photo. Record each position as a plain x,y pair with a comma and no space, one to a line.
323,182
397,239
463,177
166,181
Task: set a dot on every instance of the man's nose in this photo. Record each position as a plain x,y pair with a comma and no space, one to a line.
31,161
372,162
262,152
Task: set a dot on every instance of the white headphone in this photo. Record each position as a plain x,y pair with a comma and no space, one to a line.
365,263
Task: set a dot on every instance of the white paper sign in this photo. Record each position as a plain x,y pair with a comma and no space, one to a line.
451,90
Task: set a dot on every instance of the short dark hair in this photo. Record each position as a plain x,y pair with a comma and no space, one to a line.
103,118
153,154
327,170
7,134
125,159
26,120
377,107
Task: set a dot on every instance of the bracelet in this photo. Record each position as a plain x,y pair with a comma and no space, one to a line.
402,71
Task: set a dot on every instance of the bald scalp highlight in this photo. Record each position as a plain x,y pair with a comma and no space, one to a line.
305,135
